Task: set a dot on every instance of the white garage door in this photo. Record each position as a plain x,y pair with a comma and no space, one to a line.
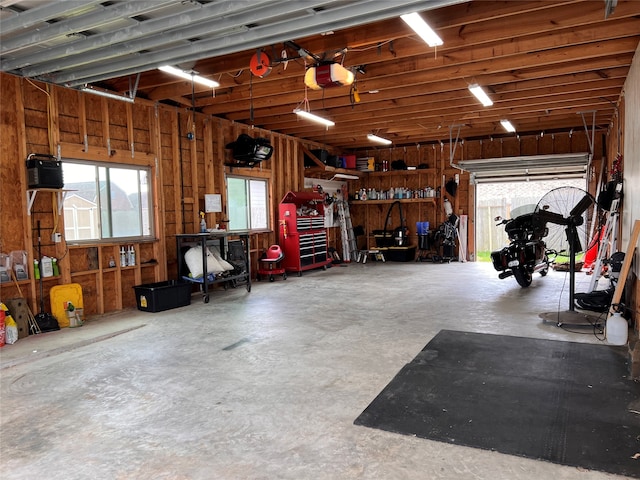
534,167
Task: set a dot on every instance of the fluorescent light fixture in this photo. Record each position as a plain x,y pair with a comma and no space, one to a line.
313,117
345,176
106,94
189,76
506,124
415,21
375,138
480,94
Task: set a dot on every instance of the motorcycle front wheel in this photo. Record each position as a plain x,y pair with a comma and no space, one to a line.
523,277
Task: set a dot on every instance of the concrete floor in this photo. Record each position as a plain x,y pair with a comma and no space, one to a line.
262,385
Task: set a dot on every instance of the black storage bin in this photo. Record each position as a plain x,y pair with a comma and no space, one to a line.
400,254
334,161
156,297
44,171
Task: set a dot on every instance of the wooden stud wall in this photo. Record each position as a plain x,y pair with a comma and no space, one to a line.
44,119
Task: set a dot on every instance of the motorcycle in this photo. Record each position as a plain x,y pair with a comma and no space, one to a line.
526,253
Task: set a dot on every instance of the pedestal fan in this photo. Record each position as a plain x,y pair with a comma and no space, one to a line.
568,212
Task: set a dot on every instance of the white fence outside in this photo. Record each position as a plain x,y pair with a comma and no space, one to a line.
499,199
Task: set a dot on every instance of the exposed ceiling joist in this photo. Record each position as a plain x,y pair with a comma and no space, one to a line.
541,61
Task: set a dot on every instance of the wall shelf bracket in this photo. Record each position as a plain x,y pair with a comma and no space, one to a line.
60,195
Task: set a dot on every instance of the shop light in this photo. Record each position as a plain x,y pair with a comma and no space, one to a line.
417,23
506,124
189,76
106,94
375,138
480,94
313,117
345,176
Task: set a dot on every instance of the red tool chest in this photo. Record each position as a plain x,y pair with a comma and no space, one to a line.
303,236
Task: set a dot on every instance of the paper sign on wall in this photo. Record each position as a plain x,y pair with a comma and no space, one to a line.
212,202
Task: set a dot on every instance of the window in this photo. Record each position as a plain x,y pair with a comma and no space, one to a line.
248,203
106,202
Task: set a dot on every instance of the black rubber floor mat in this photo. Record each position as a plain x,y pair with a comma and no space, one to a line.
564,402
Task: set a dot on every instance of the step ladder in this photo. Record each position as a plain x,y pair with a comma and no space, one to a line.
349,244
607,243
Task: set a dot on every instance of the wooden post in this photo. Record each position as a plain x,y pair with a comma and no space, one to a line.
626,266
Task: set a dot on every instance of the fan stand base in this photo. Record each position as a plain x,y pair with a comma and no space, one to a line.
570,317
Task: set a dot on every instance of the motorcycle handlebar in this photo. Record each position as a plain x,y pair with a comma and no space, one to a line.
550,217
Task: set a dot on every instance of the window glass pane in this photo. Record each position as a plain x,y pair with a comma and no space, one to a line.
105,217
144,202
238,205
248,203
81,205
106,202
258,195
124,194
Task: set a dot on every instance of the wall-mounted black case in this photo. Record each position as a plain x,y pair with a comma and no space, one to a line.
44,171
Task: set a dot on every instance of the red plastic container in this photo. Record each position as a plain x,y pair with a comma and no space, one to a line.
350,161
2,328
269,263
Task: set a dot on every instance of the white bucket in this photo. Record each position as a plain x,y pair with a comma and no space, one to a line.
75,318
617,330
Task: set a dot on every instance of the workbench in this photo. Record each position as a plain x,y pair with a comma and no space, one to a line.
233,247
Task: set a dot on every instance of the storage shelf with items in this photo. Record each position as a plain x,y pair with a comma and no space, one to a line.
416,189
389,202
303,235
320,164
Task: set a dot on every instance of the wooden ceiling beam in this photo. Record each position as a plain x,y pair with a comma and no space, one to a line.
448,99
444,119
563,75
564,17
421,71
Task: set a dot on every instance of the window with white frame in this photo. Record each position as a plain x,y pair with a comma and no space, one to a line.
247,203
105,202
